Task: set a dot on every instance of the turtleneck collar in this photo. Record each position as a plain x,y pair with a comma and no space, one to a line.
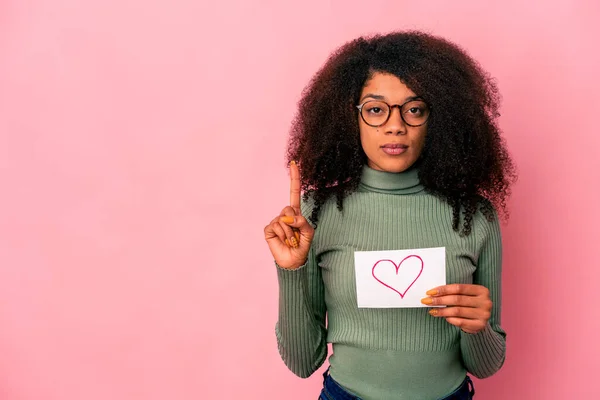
406,182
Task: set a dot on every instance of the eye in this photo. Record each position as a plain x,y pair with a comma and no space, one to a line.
415,111
374,110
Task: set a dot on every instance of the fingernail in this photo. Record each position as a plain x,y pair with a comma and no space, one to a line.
294,242
433,311
292,162
287,219
427,300
297,234
288,243
431,292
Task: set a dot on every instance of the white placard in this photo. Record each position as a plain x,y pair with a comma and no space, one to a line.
398,278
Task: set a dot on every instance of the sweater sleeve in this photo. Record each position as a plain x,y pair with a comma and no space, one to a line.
300,329
484,352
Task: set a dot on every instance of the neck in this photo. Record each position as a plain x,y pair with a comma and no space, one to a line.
405,182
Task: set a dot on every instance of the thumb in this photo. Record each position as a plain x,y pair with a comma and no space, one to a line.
298,222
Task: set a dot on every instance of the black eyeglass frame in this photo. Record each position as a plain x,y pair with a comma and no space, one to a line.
391,107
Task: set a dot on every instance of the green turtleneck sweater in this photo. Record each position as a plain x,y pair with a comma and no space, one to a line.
388,353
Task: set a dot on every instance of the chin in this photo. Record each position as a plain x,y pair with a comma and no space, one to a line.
394,166
397,170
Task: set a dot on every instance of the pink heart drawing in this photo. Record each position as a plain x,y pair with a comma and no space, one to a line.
392,285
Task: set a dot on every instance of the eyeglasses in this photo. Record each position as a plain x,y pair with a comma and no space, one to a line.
376,113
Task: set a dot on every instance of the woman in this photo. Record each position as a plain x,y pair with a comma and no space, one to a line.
397,147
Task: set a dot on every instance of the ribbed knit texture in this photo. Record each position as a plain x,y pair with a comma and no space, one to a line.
392,353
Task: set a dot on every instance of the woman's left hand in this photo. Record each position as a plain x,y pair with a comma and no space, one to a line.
468,306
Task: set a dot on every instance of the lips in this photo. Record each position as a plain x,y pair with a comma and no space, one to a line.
394,149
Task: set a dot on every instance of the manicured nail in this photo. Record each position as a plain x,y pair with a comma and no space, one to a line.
431,292
288,243
433,311
287,219
427,300
292,162
297,234
294,242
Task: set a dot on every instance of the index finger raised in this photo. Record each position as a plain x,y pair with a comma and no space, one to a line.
295,187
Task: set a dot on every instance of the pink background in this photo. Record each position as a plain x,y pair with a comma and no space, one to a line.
142,149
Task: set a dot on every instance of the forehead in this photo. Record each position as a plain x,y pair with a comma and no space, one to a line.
387,85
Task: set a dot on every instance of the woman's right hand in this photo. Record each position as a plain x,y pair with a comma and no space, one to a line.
289,235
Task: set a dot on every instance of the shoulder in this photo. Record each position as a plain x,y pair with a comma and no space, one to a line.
486,222
307,203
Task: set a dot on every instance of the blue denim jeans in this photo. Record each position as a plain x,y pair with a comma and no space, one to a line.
333,391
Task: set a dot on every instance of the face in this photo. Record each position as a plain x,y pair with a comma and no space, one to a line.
393,146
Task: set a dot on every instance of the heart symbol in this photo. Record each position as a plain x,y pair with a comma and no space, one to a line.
395,281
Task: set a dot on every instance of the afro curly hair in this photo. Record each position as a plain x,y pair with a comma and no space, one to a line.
464,161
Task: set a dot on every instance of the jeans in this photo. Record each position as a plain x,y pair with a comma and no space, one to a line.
333,391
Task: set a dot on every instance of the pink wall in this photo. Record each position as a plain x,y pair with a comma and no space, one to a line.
142,153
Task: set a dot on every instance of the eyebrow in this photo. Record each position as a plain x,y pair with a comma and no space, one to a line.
380,97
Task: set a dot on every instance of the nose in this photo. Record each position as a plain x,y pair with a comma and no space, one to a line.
395,124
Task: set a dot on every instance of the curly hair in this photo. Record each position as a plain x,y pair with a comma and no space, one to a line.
464,161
